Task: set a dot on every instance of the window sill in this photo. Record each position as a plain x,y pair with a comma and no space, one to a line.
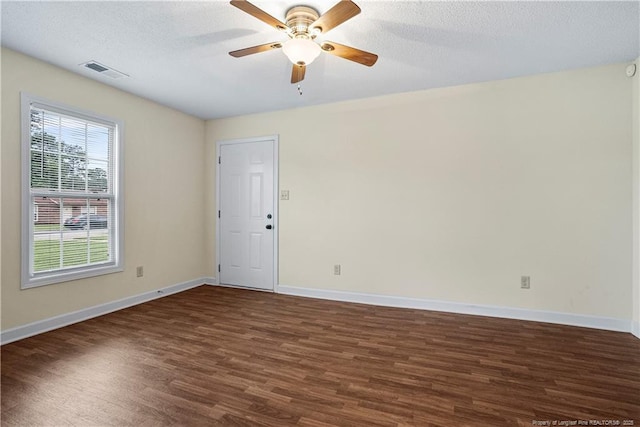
60,277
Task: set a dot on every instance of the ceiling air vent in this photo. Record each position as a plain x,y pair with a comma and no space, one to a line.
104,70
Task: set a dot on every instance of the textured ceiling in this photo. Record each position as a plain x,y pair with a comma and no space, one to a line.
176,53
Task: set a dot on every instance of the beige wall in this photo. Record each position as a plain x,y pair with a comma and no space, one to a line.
453,194
449,194
1,191
164,187
636,198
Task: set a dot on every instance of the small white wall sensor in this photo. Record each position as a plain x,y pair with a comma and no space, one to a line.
631,70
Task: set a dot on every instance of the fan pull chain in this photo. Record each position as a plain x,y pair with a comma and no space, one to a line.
299,90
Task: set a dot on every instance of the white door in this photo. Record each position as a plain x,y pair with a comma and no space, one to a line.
246,214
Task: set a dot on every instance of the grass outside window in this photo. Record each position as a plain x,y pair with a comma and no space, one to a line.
78,252
46,227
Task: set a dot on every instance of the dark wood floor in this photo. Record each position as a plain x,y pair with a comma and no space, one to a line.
218,356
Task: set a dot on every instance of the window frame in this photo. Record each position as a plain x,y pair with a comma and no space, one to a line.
32,280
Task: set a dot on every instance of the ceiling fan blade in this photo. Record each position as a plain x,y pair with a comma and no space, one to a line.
255,49
341,12
256,12
297,74
350,53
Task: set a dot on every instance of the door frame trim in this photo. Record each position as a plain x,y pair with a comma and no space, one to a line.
275,139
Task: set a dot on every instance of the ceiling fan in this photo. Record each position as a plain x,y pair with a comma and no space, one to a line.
303,25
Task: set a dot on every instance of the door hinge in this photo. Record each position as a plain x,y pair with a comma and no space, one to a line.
219,159
218,214
218,268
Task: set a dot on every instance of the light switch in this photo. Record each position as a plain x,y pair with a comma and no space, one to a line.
284,194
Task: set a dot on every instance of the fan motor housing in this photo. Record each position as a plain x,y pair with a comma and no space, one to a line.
299,18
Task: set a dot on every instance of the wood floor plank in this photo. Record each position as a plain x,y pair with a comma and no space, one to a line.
227,357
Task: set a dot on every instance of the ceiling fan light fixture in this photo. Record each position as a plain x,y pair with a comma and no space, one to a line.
301,51
303,26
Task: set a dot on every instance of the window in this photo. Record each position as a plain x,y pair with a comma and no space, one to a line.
72,181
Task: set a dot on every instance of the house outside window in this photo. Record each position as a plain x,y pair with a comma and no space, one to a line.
93,210
72,166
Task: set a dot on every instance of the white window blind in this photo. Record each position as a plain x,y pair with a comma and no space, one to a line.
72,160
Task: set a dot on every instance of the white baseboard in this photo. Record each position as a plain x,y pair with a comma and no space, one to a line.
248,288
41,326
571,319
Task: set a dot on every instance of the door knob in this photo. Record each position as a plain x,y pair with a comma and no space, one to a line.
269,227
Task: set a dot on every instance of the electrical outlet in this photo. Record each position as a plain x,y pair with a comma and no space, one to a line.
525,282
139,271
284,194
336,269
